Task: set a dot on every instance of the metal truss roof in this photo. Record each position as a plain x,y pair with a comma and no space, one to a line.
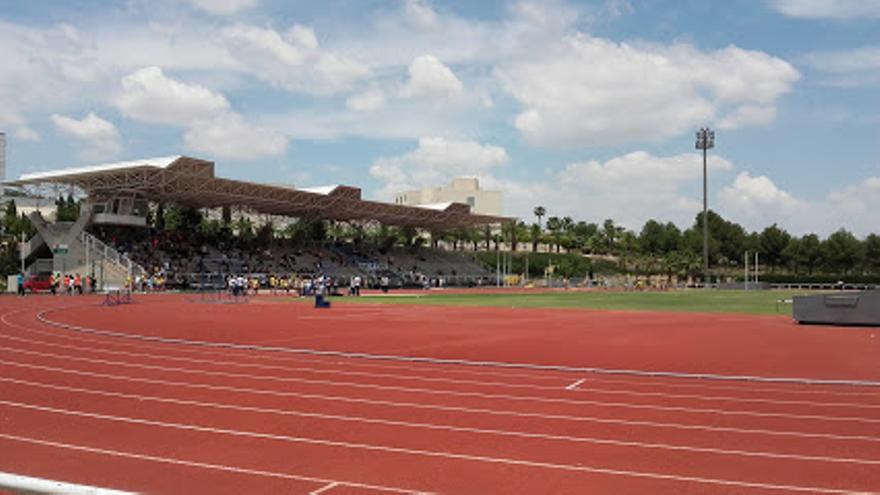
191,182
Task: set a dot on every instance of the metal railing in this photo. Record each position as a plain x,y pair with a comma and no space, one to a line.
94,245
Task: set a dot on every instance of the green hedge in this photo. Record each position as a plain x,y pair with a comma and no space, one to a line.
819,279
567,264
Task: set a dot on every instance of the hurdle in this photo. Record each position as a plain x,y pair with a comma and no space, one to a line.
117,297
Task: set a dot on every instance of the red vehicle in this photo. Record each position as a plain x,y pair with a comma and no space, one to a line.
37,283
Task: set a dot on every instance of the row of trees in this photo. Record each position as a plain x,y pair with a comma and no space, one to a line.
841,253
656,247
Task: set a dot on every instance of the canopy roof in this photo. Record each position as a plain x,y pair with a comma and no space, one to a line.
191,182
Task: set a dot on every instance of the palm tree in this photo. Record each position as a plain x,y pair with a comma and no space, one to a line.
554,225
540,211
535,232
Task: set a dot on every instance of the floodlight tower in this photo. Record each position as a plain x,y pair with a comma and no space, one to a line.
705,142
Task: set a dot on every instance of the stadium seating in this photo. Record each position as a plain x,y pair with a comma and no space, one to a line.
193,260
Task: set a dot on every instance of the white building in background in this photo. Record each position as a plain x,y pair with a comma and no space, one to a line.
461,190
2,157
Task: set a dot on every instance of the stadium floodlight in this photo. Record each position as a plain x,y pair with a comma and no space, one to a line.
705,142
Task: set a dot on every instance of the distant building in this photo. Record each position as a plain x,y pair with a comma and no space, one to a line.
461,190
2,158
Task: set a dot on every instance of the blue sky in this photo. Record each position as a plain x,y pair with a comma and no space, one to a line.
587,108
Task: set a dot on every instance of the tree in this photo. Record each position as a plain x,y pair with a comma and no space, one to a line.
872,254
773,241
841,252
670,241
651,238
554,225
226,214
811,251
540,211
182,218
159,217
535,234
792,255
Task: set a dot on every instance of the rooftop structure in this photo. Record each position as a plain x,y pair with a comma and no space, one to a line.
191,182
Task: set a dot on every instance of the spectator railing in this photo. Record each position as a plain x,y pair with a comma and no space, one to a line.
94,245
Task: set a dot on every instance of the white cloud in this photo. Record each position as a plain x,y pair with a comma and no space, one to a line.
758,201
303,36
748,115
229,136
224,7
420,14
436,161
26,134
586,91
294,61
828,9
368,101
100,138
150,96
853,207
630,188
848,68
430,78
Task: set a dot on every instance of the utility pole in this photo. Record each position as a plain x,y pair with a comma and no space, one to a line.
705,142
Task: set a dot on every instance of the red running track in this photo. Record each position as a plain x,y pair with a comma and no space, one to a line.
154,417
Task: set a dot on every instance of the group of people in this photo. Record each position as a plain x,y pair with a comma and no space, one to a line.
71,285
147,283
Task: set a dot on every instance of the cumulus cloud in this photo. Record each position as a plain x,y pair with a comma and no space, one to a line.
431,78
828,9
587,91
224,7
420,14
26,134
630,188
435,161
853,207
148,95
100,139
758,201
367,101
293,60
230,136
856,67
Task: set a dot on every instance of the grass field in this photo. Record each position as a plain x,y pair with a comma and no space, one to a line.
713,301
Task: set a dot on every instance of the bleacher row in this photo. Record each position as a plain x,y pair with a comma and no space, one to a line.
189,261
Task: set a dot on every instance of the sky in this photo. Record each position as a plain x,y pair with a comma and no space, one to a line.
588,108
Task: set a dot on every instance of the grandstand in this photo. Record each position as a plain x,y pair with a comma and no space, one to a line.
113,240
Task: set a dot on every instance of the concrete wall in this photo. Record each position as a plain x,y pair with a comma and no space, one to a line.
461,190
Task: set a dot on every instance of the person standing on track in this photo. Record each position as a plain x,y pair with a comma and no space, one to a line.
20,280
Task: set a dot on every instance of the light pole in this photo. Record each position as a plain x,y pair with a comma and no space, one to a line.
705,142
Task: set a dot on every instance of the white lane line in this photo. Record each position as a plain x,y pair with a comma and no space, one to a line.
464,362
91,339
747,387
548,400
457,429
324,488
575,385
490,384
425,453
203,465
34,486
469,410
313,370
